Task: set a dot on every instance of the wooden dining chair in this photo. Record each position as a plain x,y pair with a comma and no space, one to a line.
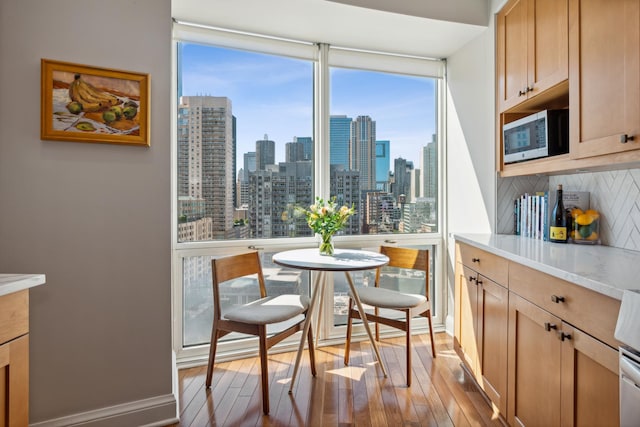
253,318
410,304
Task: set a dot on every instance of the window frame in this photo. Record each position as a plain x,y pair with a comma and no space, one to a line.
196,355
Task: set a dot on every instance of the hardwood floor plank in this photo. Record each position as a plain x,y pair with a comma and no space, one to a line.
343,396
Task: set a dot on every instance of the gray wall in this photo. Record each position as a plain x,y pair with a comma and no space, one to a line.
95,218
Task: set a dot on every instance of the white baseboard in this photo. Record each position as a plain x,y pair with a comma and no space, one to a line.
153,412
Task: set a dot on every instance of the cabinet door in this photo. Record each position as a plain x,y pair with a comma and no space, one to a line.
493,309
511,53
533,365
604,54
590,382
548,44
466,316
14,382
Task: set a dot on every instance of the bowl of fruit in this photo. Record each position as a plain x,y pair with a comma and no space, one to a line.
585,226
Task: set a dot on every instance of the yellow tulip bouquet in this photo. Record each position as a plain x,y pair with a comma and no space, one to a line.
325,219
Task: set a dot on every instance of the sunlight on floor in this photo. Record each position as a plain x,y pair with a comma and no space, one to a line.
351,372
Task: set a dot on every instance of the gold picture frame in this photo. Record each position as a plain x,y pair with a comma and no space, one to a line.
81,103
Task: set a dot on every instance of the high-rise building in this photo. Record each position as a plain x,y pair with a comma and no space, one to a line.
339,137
249,164
307,144
430,169
362,154
383,162
206,139
402,185
265,153
294,152
273,195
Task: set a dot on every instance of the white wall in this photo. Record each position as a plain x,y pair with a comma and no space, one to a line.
94,218
471,173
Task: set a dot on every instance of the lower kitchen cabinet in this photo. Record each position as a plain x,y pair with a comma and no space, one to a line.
14,382
481,331
590,382
540,348
558,375
534,365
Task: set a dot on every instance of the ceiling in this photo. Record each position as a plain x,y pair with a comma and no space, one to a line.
431,28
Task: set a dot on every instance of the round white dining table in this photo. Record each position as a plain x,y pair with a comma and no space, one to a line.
344,260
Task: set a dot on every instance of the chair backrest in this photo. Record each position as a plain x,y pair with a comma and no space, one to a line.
234,267
407,258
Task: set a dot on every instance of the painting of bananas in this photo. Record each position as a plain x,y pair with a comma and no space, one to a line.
81,103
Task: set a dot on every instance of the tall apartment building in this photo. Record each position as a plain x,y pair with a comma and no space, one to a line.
430,169
362,154
273,195
339,140
206,165
265,153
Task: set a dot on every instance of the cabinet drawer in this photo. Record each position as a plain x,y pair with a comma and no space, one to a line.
14,315
485,263
590,311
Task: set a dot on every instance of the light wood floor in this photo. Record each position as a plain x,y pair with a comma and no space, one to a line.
357,395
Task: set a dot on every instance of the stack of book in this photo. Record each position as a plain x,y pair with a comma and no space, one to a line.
531,215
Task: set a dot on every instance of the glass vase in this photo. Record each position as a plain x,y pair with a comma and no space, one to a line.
326,245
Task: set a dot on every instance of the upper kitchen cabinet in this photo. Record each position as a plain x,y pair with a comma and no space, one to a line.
532,51
604,77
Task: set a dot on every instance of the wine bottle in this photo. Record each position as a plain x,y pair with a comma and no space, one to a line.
558,225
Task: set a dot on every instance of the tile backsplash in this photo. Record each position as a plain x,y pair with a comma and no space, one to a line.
615,194
508,190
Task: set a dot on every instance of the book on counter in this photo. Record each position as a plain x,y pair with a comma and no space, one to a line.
530,213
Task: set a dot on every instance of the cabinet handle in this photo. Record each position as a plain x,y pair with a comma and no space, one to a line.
529,89
626,138
549,326
557,299
479,282
523,92
475,259
564,336
471,278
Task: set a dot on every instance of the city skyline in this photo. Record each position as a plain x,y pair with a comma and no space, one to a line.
273,95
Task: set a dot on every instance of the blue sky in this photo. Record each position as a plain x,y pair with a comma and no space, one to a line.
274,95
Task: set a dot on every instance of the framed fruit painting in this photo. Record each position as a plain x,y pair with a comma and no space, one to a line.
81,103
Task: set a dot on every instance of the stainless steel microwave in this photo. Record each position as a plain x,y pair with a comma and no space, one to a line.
542,134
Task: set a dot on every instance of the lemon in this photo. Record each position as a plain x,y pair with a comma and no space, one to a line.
584,219
594,213
575,212
593,236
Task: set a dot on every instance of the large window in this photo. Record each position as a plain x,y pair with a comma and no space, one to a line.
245,145
263,126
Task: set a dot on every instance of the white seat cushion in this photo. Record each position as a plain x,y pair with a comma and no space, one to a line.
386,298
269,310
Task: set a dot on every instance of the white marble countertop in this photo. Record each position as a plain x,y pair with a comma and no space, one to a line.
603,269
10,283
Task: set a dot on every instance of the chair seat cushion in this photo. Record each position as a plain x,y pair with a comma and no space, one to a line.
269,310
386,298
